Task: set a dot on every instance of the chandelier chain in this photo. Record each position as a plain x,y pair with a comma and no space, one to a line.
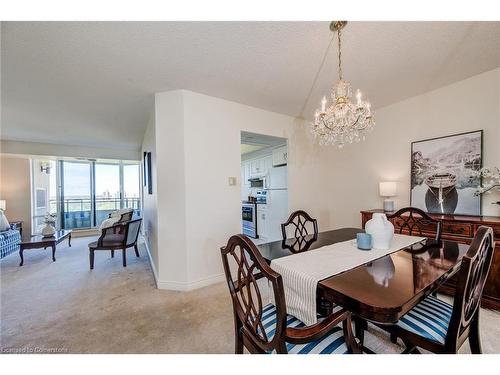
339,33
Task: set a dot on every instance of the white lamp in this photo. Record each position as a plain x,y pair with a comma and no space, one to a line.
2,204
387,189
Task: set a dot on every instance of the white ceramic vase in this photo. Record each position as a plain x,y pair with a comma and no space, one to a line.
382,231
48,230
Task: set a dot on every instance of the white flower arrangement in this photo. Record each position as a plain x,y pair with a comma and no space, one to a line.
491,180
50,218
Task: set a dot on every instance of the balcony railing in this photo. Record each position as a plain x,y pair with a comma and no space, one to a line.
78,212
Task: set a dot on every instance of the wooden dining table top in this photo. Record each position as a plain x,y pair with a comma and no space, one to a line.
385,289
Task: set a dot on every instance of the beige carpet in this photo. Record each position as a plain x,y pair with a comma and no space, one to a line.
62,306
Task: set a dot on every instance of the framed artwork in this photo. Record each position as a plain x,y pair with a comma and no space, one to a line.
444,174
149,176
144,168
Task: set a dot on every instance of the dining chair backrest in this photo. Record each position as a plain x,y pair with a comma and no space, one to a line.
299,244
472,275
243,267
414,221
297,225
133,227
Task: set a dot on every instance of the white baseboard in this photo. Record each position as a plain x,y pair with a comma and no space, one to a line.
181,286
153,268
185,286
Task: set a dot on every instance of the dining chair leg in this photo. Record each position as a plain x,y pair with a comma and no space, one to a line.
112,253
474,336
238,337
410,348
136,251
394,338
350,341
124,257
91,259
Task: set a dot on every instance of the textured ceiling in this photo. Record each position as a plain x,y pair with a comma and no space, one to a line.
92,83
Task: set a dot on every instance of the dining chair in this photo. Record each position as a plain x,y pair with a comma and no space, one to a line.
439,327
119,236
268,328
414,221
298,222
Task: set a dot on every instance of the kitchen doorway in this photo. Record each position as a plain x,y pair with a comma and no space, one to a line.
264,186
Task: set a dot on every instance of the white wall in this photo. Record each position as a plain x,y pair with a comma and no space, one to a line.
169,114
198,148
198,144
15,188
150,201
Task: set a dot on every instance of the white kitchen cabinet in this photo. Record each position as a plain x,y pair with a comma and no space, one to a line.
245,173
262,221
268,166
257,167
280,156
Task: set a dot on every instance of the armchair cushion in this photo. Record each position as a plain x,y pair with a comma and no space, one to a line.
333,343
429,319
109,240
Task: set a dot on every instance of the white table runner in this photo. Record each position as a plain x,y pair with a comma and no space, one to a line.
302,272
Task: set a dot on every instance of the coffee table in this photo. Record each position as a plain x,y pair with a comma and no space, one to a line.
37,242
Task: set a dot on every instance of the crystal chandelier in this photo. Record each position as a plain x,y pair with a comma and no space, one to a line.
342,121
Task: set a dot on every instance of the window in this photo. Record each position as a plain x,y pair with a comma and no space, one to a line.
76,205
84,193
131,187
107,190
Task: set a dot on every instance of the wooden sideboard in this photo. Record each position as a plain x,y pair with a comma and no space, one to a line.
462,229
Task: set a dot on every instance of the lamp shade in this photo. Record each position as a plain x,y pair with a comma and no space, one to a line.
2,204
387,189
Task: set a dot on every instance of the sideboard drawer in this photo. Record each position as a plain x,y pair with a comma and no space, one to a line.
496,230
426,227
458,229
495,227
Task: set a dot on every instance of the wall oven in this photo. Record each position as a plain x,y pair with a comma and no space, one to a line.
249,219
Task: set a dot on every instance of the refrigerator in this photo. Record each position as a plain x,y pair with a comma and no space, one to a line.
277,201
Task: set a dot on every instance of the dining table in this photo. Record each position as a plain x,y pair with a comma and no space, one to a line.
384,289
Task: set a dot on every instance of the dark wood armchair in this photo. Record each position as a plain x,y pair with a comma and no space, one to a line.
414,221
439,327
298,223
267,328
120,236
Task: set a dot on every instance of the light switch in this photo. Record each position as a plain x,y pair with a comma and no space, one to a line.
232,181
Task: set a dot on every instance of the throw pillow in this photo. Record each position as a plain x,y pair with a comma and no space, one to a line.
4,223
108,222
